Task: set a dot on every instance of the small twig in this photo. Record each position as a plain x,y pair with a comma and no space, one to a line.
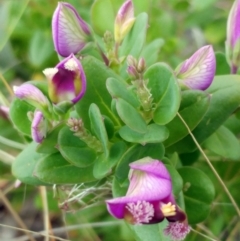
234,232
15,216
205,236
206,230
228,227
211,166
45,211
35,234
11,143
70,228
6,85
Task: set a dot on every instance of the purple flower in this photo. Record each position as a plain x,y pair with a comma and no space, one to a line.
70,32
149,197
38,127
124,21
198,71
31,94
233,37
67,81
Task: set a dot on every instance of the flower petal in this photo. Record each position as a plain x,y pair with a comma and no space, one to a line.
30,93
38,127
198,71
69,30
68,83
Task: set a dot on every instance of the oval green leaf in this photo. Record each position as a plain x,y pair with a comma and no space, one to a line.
74,150
98,126
96,74
18,115
130,116
103,165
154,134
193,107
225,99
119,89
54,169
224,143
165,92
24,165
198,192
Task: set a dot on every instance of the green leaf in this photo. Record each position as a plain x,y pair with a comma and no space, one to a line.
119,189
151,51
24,165
222,66
103,165
224,143
98,126
55,169
96,74
119,89
165,92
74,150
109,126
130,116
193,107
101,21
18,115
134,153
154,134
225,99
196,182
43,42
177,181
152,232
136,35
146,232
49,144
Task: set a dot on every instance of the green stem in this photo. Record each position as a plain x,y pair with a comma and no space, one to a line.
11,143
211,166
6,158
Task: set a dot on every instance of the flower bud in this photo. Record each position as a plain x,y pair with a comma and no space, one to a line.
198,71
233,37
124,21
69,31
32,95
38,127
67,81
141,65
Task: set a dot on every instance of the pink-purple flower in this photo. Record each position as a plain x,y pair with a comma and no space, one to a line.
38,127
233,37
124,21
67,81
31,94
198,71
149,198
70,32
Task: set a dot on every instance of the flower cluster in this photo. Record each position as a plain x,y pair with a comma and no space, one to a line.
149,199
